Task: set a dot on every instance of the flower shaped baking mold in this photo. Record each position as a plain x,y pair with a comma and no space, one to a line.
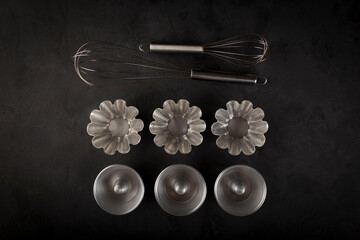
240,128
177,126
114,127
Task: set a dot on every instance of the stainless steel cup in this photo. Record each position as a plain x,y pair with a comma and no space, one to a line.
240,190
118,189
180,190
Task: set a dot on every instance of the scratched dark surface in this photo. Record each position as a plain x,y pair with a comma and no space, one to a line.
310,161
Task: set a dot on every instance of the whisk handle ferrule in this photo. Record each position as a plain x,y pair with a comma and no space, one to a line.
250,79
174,48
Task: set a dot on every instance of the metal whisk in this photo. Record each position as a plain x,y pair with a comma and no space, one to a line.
104,64
241,50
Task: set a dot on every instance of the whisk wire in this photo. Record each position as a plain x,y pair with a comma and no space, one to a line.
246,37
235,54
234,60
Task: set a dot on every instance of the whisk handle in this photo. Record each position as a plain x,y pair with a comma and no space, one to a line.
250,79
174,48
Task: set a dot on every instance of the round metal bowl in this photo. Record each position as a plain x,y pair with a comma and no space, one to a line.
118,189
240,190
180,190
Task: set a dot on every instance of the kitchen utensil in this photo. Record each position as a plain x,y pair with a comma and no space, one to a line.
118,189
177,126
242,50
114,127
240,128
180,189
110,65
240,190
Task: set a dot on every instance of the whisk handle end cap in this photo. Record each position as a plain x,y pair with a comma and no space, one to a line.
261,80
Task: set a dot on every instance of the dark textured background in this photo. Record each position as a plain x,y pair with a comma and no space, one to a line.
310,160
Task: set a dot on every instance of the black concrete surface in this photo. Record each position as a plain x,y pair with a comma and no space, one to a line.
310,160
